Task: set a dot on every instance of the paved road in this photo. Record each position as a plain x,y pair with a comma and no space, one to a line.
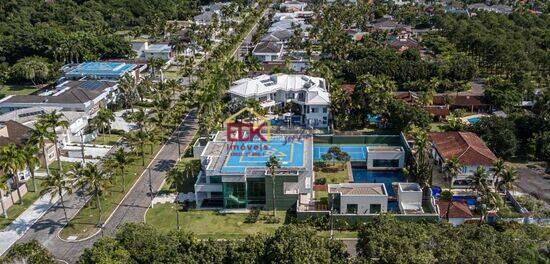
241,52
132,208
533,182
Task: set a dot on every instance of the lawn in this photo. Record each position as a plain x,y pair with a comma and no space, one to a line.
338,176
84,223
17,90
210,224
106,139
67,166
15,210
189,184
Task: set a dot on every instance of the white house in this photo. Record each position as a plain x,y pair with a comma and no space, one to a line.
309,93
268,51
292,6
146,51
358,198
467,147
81,96
385,157
409,197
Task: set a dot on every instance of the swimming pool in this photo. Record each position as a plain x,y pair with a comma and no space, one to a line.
244,154
356,152
387,177
473,120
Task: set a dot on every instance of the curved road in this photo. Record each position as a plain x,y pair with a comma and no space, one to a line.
132,208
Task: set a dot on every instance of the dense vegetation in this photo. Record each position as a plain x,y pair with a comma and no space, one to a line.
389,241
385,240
74,31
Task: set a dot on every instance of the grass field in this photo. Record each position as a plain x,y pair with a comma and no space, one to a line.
106,139
84,223
15,210
339,176
210,224
17,90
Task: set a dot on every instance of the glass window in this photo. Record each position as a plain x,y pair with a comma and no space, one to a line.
234,194
324,109
394,163
375,208
351,208
215,179
256,191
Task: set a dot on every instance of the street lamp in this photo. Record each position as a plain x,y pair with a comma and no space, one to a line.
150,187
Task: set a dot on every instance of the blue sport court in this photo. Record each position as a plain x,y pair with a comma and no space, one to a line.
100,69
256,153
356,152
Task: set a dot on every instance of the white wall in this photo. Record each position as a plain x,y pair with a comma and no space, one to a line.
363,203
317,118
386,155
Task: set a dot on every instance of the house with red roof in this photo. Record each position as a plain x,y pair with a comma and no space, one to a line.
459,212
467,147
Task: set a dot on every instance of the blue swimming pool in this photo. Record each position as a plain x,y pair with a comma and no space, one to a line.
386,177
255,154
356,152
473,120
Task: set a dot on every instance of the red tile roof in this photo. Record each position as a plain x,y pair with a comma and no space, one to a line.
348,87
407,96
459,100
466,146
457,210
437,110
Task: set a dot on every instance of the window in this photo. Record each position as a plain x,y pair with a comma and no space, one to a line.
375,208
215,179
351,208
314,110
325,110
256,190
394,163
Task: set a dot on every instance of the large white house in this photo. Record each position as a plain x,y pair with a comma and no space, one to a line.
273,91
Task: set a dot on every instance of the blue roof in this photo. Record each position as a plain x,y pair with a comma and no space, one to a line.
100,69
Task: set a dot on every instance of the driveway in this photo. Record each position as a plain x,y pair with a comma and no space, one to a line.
533,182
131,209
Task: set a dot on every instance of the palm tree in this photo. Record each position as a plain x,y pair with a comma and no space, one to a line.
31,160
127,85
453,167
479,180
55,185
54,120
103,119
39,135
76,170
11,162
272,165
448,197
4,187
507,178
498,169
120,160
96,181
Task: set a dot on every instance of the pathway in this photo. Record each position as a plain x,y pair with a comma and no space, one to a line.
21,224
131,209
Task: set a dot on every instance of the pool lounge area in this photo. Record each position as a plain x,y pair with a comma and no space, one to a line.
362,175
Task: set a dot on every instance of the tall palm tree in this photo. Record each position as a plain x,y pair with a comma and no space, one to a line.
128,88
120,159
479,180
507,178
95,180
104,119
40,135
54,120
453,167
11,162
498,169
31,160
272,165
55,185
4,187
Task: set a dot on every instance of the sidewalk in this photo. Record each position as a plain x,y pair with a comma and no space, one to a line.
21,225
